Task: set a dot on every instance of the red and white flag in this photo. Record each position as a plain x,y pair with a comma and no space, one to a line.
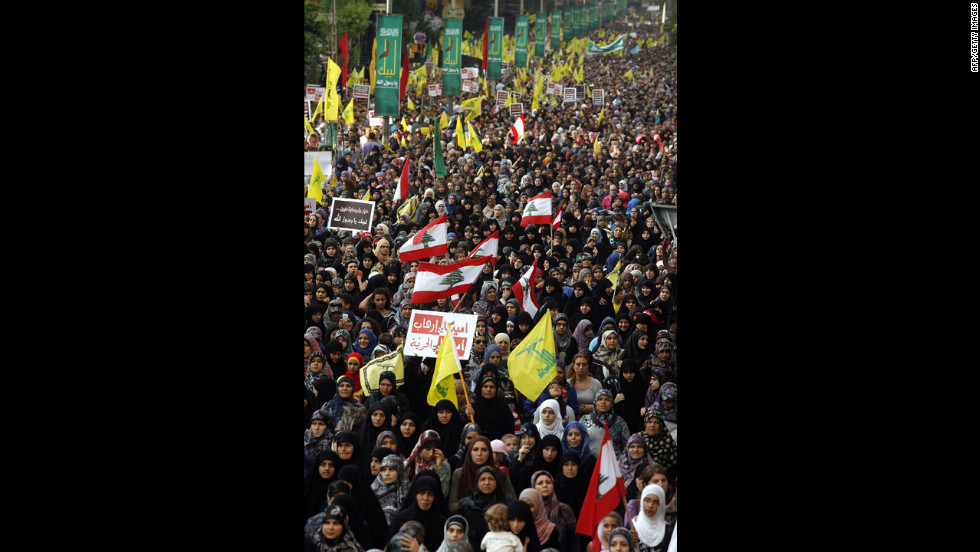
401,191
606,491
557,221
517,131
487,246
427,242
524,290
434,281
538,210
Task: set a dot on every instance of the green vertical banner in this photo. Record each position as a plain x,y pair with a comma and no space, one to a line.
540,32
452,41
520,41
593,17
495,47
555,30
566,25
603,16
388,65
579,28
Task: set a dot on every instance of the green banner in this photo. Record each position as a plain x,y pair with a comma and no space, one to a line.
555,30
540,32
579,27
388,65
439,164
604,12
520,41
495,48
452,41
593,17
566,25
617,44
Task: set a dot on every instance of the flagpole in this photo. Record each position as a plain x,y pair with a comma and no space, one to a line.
466,393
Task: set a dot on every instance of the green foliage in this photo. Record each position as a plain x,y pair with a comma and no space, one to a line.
315,32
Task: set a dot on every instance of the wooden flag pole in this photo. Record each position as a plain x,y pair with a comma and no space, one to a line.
466,393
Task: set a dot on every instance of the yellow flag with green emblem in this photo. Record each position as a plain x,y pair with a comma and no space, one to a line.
410,104
409,207
348,113
443,121
460,135
308,127
316,183
443,386
474,139
532,363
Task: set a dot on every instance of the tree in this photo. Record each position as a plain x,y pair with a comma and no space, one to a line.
426,238
452,278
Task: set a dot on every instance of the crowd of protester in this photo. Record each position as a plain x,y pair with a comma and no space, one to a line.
386,470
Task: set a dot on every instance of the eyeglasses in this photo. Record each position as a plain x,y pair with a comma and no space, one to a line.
479,342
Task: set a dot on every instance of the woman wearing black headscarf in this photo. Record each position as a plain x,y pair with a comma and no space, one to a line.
348,449
528,534
487,492
426,505
552,290
624,325
445,421
312,320
490,412
339,366
548,459
603,295
634,390
378,420
367,503
408,433
572,484
322,472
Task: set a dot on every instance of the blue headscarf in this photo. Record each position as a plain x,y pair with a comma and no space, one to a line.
451,207
491,349
372,343
583,450
611,261
633,203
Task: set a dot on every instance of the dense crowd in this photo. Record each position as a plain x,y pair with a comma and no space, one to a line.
386,470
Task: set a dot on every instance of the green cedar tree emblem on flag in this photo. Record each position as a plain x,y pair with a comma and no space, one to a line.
530,208
602,479
452,278
426,238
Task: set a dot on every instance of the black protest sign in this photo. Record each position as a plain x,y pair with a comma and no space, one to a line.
351,214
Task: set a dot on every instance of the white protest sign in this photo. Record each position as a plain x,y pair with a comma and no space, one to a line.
373,121
469,72
435,89
326,162
362,91
569,95
427,329
314,93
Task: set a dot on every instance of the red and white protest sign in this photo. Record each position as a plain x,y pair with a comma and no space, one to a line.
427,329
435,89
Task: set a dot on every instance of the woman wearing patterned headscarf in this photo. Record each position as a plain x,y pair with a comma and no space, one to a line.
391,485
667,405
343,409
427,457
547,534
333,535
608,353
603,412
660,445
566,346
636,454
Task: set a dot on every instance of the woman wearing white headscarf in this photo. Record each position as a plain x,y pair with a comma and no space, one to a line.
652,532
549,423
440,208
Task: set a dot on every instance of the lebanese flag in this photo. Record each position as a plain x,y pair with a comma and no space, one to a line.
538,210
524,290
606,486
557,221
433,282
427,242
487,247
517,131
401,191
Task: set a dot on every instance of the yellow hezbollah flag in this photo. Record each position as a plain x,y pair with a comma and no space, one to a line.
319,107
629,74
614,278
443,121
332,98
316,183
601,113
409,207
391,362
474,104
349,113
460,136
532,362
443,385
367,195
308,127
404,124
410,104
474,139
